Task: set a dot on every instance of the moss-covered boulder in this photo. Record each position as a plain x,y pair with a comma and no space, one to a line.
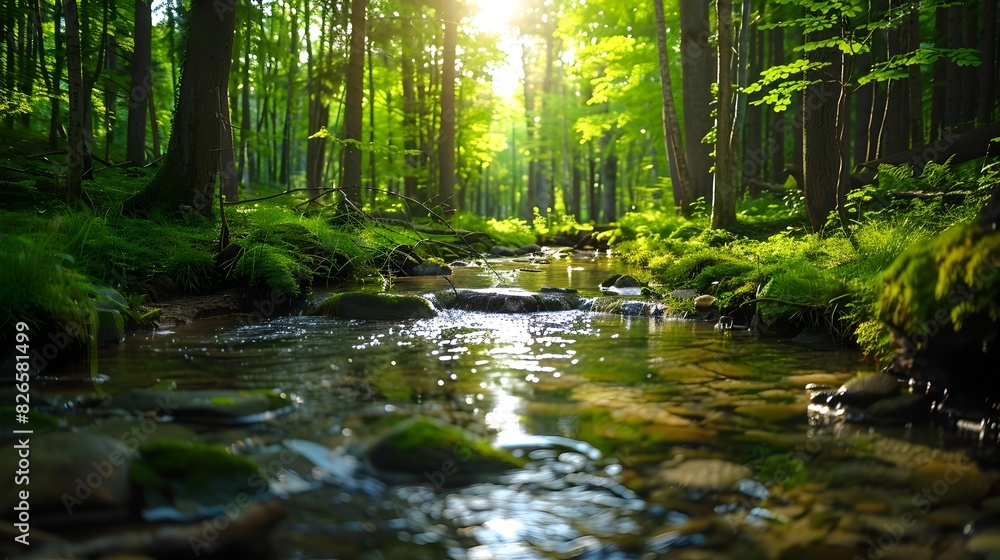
507,301
369,305
192,478
941,300
206,406
444,454
69,474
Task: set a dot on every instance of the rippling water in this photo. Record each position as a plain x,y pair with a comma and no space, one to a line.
706,448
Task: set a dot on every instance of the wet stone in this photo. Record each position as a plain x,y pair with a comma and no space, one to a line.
705,474
368,305
501,252
430,269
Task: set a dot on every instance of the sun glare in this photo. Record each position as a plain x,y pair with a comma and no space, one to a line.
495,16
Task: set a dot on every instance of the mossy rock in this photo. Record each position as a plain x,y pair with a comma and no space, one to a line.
443,453
368,305
292,236
182,471
206,406
81,472
941,299
507,301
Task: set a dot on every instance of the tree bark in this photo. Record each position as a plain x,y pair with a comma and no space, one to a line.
987,70
142,85
724,190
609,179
698,73
777,143
410,132
186,178
915,88
953,84
821,168
671,126
354,104
286,133
446,155
74,64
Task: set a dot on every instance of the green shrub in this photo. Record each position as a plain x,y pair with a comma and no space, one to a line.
192,270
266,265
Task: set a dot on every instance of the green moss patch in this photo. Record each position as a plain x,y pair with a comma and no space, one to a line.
368,305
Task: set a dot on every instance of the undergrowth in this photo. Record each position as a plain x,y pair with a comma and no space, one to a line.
770,264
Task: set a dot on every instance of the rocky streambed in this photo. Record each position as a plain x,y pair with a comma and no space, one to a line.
490,416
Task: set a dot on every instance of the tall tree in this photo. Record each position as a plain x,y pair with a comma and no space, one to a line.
74,63
188,174
446,185
821,149
354,104
142,85
724,192
671,126
698,73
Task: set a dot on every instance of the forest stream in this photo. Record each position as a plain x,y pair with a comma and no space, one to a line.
640,437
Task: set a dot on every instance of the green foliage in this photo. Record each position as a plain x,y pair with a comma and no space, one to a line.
275,267
192,270
956,272
37,285
800,293
511,232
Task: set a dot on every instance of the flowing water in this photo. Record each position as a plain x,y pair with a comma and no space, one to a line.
681,440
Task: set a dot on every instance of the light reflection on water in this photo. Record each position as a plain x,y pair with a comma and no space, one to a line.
648,393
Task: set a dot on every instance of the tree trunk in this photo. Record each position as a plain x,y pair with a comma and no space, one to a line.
953,83
186,178
724,191
446,146
671,126
938,95
609,178
410,132
987,70
916,117
154,128
970,89
142,85
110,97
74,64
821,167
698,73
244,164
354,104
777,144
286,132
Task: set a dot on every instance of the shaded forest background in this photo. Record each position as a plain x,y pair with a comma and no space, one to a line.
552,107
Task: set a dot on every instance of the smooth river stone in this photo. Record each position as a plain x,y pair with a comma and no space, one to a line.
678,434
707,474
648,413
687,374
828,379
776,413
944,484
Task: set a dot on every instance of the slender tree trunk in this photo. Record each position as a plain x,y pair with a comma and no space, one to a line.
698,72
953,84
970,89
593,202
863,103
245,165
671,125
821,167
940,81
410,131
286,133
354,104
754,159
154,127
896,132
724,192
186,178
372,181
609,178
110,96
142,85
74,64
777,144
446,187
916,117
987,78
